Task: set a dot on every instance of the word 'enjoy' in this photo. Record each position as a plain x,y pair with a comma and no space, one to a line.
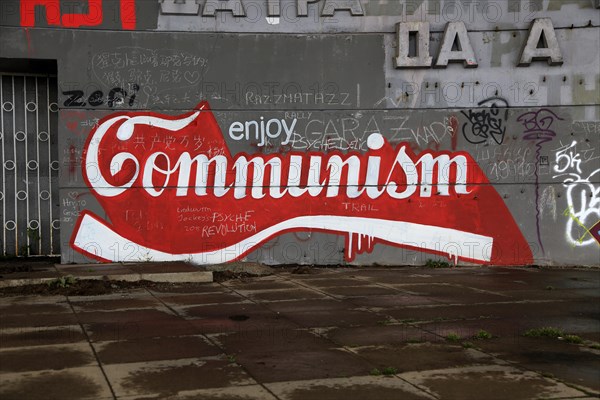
271,129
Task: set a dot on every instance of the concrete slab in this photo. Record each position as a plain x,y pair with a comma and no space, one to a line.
452,294
40,336
263,284
32,271
281,294
236,317
247,308
501,280
257,341
93,270
115,303
18,309
306,305
391,301
433,312
491,382
358,387
281,355
549,292
513,328
310,273
327,283
465,329
40,358
219,325
572,363
67,384
251,268
323,318
201,299
358,291
15,282
154,272
379,335
168,378
154,349
36,320
134,324
129,330
422,356
29,299
159,313
297,364
164,267
182,288
248,392
179,277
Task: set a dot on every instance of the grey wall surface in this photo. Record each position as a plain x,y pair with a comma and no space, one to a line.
534,132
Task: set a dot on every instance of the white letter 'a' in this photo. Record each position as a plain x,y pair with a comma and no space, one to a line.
541,44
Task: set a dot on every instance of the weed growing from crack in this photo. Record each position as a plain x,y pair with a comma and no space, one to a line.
452,337
573,339
407,321
548,332
482,335
63,282
555,333
389,371
437,264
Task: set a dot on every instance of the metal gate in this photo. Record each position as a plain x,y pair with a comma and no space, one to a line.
29,183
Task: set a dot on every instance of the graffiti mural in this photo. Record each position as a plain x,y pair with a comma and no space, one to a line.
217,208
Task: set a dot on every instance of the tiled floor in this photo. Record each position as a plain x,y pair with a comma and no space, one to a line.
332,334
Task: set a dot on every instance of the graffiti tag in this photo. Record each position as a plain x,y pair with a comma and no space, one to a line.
538,129
583,197
486,123
116,97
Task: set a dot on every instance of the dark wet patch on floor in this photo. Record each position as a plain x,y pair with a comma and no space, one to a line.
41,336
420,357
153,349
351,392
172,379
489,385
60,386
37,359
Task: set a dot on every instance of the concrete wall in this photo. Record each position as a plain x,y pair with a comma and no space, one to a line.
498,164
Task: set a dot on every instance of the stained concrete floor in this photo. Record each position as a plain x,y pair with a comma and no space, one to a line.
409,333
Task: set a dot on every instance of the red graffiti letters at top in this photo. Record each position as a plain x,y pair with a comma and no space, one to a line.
93,17
171,190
